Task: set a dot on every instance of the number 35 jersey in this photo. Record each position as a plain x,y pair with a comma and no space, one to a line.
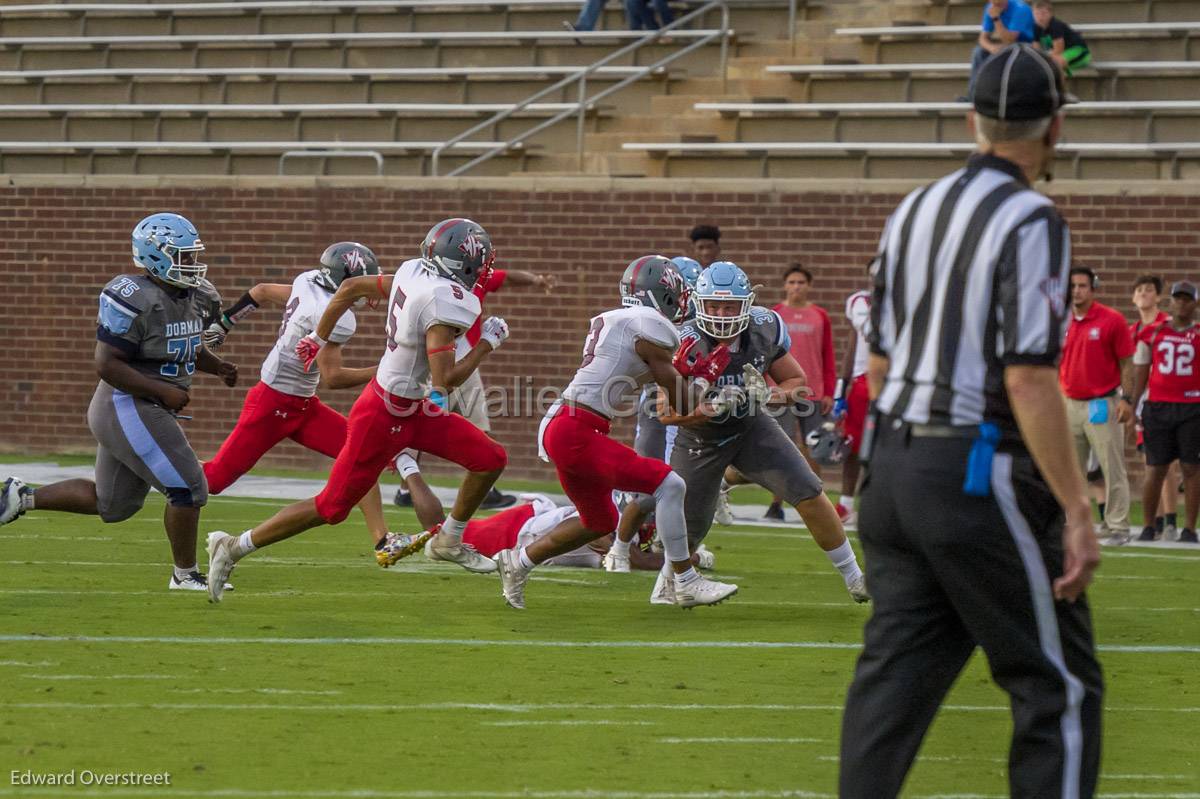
157,327
612,372
419,300
1171,355
283,370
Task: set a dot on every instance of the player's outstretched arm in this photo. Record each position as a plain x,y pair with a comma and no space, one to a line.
335,375
112,366
352,288
681,395
448,374
261,294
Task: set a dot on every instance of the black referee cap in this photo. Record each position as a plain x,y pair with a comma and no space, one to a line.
1019,83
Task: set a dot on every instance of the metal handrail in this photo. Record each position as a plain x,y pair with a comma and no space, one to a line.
582,105
372,154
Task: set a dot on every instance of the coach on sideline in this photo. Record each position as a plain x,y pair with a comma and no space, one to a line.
971,466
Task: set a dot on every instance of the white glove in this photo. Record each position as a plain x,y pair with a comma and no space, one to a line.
756,386
726,399
214,335
707,559
494,331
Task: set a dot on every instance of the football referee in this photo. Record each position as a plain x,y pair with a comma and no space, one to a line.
971,466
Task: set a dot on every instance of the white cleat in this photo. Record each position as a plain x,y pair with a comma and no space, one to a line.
723,513
858,589
707,559
702,591
664,590
616,563
464,555
12,494
513,577
220,563
195,581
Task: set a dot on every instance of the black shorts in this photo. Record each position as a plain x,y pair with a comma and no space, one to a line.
1171,432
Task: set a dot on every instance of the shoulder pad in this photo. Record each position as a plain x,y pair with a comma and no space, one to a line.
135,292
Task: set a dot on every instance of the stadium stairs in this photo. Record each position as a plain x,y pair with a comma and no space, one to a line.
866,89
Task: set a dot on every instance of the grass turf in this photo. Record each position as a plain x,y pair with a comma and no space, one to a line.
336,678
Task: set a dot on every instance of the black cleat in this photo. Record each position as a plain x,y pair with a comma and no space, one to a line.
1147,534
1187,536
495,500
774,512
403,498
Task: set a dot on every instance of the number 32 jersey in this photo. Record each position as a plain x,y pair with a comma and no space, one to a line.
283,370
612,372
419,300
1171,355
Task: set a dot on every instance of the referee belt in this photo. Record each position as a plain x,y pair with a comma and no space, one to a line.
965,432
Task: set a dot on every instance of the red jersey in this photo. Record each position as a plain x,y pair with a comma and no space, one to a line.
1092,353
482,289
1173,372
1137,328
812,345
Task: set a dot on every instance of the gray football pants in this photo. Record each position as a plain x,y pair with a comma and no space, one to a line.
762,453
140,445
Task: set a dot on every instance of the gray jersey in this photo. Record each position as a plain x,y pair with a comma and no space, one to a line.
158,327
761,344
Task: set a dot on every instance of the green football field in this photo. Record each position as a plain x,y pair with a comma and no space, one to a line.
325,676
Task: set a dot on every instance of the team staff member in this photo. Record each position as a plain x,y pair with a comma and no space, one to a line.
1171,418
970,469
1096,375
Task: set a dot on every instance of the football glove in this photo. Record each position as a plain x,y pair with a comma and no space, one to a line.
839,407
214,335
494,331
756,386
711,366
727,398
308,348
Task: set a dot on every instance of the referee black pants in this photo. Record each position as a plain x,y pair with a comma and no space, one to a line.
949,572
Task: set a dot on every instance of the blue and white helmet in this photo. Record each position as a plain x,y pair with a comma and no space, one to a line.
723,281
167,246
690,269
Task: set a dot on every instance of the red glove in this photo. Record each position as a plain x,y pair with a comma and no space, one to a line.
711,366
680,361
308,348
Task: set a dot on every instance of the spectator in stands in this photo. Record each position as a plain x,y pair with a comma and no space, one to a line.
1060,41
1096,375
1147,291
637,15
706,244
1004,22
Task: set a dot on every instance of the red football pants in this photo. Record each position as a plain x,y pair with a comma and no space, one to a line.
591,465
381,425
268,417
497,532
858,401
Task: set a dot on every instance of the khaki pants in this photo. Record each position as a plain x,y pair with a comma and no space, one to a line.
1108,442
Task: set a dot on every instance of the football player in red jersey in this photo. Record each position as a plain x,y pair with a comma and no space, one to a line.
1165,363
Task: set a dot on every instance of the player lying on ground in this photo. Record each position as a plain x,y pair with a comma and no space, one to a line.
745,436
429,303
148,345
624,349
535,517
284,405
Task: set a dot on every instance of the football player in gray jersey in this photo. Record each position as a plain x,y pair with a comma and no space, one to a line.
148,346
736,430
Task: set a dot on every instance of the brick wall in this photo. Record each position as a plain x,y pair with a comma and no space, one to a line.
61,240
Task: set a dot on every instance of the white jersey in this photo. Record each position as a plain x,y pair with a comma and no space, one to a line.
283,370
419,300
858,311
612,372
547,516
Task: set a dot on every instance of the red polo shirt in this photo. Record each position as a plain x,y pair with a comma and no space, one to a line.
1092,353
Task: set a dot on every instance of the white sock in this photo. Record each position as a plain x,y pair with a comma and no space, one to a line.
620,548
844,561
27,501
725,486
184,573
243,546
683,578
452,531
523,558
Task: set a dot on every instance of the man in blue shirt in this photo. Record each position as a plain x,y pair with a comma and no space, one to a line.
1004,22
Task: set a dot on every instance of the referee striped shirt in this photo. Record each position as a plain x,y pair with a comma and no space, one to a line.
971,276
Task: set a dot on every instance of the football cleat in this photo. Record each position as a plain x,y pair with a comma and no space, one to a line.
858,589
1147,534
616,563
724,513
397,546
195,581
1170,533
464,555
513,577
664,590
403,499
774,513
1118,538
1187,536
495,500
220,563
12,496
707,558
702,591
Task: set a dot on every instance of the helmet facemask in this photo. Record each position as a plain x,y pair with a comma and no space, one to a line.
720,325
185,270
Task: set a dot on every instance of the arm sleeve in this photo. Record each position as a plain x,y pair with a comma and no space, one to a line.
828,367
1031,285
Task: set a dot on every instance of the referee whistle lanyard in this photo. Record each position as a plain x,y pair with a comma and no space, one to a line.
979,462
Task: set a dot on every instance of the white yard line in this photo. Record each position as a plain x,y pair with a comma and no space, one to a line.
103,677
569,723
589,793
741,740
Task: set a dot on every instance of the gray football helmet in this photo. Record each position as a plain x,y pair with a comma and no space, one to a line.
654,282
345,259
827,445
460,250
